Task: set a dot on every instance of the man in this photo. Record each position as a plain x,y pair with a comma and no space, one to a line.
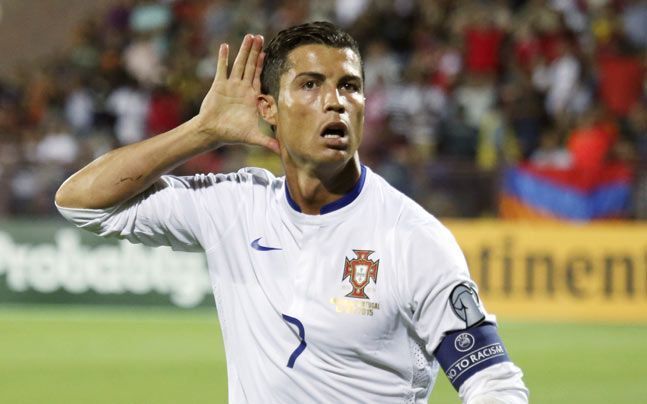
330,285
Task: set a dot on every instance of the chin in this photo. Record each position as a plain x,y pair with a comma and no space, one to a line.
334,158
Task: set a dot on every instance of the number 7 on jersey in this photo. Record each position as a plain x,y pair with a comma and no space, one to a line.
302,337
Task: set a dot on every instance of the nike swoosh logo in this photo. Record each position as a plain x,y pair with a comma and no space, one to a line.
257,246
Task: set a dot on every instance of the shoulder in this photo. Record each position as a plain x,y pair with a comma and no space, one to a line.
416,230
252,176
425,237
416,222
385,197
260,176
409,218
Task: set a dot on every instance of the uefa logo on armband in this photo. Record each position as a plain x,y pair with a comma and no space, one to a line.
464,342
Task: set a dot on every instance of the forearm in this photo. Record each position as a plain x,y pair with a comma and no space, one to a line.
228,114
125,172
498,384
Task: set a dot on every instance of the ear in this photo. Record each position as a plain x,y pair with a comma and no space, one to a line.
267,108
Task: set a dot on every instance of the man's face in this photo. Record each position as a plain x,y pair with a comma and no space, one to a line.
320,107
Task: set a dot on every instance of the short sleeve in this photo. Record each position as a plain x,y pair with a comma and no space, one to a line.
186,213
435,274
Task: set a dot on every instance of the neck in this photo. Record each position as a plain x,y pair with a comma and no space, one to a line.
312,189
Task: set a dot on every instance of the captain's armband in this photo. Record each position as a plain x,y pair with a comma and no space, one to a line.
463,353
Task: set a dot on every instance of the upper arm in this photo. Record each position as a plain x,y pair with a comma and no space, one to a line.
498,384
434,268
449,317
186,213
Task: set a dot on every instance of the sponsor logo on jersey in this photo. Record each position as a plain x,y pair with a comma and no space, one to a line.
360,271
466,306
256,245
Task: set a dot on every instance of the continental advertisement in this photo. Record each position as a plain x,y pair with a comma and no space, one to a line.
527,271
550,271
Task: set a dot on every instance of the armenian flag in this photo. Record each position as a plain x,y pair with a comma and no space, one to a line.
573,194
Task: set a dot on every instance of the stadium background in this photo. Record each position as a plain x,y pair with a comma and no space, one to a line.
522,124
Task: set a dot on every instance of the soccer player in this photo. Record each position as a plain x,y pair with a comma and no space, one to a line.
330,285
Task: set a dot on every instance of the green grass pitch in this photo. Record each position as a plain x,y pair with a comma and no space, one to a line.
125,355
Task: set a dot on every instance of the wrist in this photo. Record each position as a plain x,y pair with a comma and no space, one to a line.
202,135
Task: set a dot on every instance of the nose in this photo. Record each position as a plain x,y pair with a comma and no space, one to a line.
333,102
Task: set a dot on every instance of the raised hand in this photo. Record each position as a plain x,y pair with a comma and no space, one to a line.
228,112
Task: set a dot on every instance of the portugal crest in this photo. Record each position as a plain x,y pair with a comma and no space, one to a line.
360,270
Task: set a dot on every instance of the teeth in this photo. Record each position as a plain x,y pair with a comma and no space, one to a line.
333,133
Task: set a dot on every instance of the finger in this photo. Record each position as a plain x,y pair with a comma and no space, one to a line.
256,83
241,59
223,62
252,60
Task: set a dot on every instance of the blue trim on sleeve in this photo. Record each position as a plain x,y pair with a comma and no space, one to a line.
463,353
339,203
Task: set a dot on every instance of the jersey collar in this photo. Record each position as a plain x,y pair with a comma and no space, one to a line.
339,203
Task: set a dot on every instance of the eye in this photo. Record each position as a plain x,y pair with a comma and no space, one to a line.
352,87
309,85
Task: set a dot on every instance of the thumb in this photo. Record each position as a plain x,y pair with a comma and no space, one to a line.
260,139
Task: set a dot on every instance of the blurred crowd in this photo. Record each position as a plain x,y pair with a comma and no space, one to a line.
455,90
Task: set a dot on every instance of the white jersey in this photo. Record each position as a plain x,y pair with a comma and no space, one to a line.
343,307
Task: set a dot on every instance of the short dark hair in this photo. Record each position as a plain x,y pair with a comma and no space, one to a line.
278,49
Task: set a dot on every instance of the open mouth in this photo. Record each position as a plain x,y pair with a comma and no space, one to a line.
335,130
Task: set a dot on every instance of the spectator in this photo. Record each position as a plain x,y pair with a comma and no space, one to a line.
57,146
591,141
527,47
621,79
79,107
375,118
150,16
118,15
448,64
165,111
551,154
381,64
559,80
143,60
415,107
512,69
497,144
636,128
347,11
456,139
218,20
483,40
634,22
395,166
476,95
523,107
129,104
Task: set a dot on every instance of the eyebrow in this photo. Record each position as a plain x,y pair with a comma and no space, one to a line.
319,76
